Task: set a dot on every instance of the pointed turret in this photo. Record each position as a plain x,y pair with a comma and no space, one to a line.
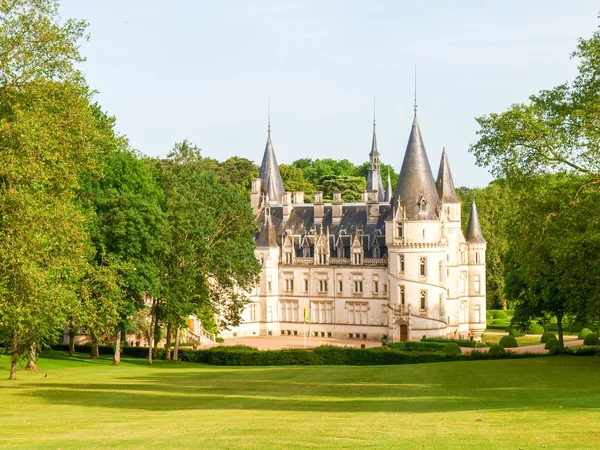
444,182
388,189
267,236
474,234
374,177
416,189
272,185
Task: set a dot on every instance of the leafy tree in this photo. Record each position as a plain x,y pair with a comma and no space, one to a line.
320,168
293,181
350,187
238,172
363,171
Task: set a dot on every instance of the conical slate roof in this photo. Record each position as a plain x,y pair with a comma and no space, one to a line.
444,182
272,185
388,190
474,234
415,183
267,236
374,181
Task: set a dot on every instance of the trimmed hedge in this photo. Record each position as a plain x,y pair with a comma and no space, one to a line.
452,348
496,350
582,351
461,342
413,346
547,335
583,333
508,342
500,315
535,328
551,343
591,339
554,350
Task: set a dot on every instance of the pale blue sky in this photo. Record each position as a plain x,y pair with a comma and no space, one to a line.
202,71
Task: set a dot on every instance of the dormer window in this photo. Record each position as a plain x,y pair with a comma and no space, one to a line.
306,250
288,257
399,230
422,204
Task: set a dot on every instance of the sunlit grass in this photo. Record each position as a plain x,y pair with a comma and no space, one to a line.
82,403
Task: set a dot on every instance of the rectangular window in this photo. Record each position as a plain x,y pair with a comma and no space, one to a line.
289,310
357,286
269,285
476,284
385,288
253,309
357,313
399,230
340,286
321,312
269,314
476,257
423,300
461,282
422,266
384,315
305,283
401,295
288,285
375,284
322,285
401,264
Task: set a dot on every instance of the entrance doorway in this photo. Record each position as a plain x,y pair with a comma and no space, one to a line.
404,332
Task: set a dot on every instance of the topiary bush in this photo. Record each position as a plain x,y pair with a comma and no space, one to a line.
452,348
500,315
508,342
551,343
496,350
513,331
554,350
535,328
583,333
547,335
591,339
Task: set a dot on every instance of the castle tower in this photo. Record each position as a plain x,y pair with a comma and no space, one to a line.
374,182
476,248
388,190
416,252
272,185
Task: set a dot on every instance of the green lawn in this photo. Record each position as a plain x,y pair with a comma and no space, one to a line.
547,402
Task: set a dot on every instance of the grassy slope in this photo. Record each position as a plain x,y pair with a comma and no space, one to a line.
493,404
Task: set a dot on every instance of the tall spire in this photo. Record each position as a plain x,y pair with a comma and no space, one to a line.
444,182
415,104
374,181
416,188
272,185
388,189
474,234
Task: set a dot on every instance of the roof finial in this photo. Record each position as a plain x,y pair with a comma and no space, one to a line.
415,106
269,114
373,111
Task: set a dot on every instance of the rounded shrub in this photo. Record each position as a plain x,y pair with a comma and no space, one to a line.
500,315
535,328
551,343
508,342
496,350
554,350
513,331
452,348
591,339
583,333
547,335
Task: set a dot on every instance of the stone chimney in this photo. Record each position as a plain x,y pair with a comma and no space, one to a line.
372,206
298,197
319,208
255,194
286,201
336,208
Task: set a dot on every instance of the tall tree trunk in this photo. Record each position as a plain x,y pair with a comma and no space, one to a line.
561,342
176,349
117,357
31,365
168,342
15,358
151,334
71,341
156,337
95,352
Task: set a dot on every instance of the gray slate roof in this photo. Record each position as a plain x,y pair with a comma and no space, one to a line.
272,185
474,234
374,181
416,179
388,190
444,182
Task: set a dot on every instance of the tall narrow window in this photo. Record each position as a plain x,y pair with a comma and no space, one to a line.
477,314
401,264
401,295
476,284
269,285
423,300
340,285
399,230
422,266
288,257
376,252
461,282
476,257
441,271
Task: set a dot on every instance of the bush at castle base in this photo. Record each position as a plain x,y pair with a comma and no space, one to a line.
452,348
583,333
508,342
551,343
547,335
496,350
591,339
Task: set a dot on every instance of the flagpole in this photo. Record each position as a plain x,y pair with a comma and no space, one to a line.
305,332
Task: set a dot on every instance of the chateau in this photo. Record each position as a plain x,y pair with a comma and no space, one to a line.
394,266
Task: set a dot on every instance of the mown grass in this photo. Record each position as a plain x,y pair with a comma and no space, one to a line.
530,403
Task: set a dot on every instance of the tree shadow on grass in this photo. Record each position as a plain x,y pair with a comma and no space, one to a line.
416,389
